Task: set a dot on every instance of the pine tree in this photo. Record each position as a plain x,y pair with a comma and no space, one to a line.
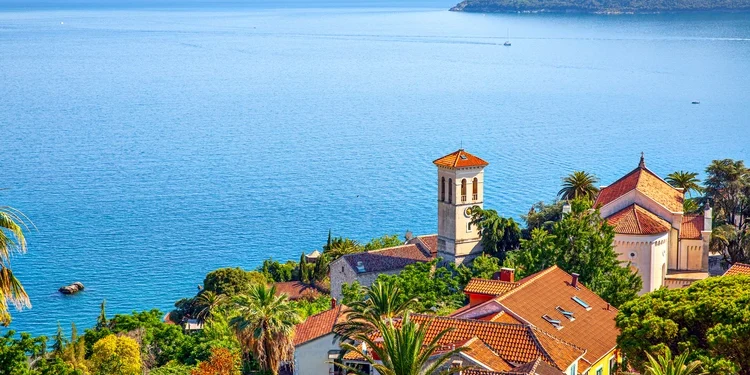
59,346
330,241
101,321
303,274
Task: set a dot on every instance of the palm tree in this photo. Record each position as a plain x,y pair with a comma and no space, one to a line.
265,326
666,365
402,350
382,302
579,184
206,303
12,240
688,181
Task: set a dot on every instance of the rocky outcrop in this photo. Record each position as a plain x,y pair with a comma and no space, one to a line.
72,288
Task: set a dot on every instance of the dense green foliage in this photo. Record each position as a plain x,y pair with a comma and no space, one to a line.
232,281
12,240
578,185
600,6
382,300
543,216
499,234
664,364
579,243
711,319
727,189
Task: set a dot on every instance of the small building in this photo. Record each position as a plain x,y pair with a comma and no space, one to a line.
312,257
667,246
555,303
366,266
315,343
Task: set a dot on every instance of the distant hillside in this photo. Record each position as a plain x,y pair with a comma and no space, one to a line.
602,6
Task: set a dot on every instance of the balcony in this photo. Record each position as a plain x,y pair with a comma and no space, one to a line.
463,199
475,197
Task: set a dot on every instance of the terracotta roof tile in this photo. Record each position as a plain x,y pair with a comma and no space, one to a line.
593,330
635,219
489,287
515,343
692,226
429,243
501,317
738,269
296,290
388,259
480,352
537,367
648,183
318,325
460,159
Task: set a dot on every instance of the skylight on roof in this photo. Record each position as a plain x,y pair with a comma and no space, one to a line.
360,267
582,303
555,323
463,157
568,314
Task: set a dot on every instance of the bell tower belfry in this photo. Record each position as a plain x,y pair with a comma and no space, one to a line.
460,185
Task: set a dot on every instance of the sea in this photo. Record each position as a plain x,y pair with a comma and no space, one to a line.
150,142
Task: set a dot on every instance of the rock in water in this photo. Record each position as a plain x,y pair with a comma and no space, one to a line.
72,288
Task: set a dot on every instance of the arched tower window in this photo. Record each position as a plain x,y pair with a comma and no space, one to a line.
442,190
463,190
475,189
450,190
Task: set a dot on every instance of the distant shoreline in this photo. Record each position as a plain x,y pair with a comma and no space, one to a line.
469,7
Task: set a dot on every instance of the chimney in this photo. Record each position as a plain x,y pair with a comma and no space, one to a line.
507,274
708,214
333,303
409,235
608,306
574,282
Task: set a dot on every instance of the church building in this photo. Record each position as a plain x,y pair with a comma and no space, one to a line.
667,246
460,186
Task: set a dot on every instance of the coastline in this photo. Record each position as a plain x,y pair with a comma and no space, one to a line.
508,10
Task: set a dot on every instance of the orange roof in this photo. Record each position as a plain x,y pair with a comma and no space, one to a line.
318,325
489,287
635,219
593,329
648,183
296,290
738,269
460,159
387,259
481,353
428,243
516,343
692,226
501,317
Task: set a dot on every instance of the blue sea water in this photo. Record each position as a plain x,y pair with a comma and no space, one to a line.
153,142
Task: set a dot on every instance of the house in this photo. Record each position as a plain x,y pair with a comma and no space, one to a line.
555,303
315,343
495,347
296,290
667,246
460,186
738,269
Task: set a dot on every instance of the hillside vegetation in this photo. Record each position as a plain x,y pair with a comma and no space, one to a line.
603,6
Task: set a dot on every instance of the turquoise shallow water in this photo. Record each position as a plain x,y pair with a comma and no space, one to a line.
150,146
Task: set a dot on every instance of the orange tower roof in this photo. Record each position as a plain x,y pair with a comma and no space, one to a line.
460,159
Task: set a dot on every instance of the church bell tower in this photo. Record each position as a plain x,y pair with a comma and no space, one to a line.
460,187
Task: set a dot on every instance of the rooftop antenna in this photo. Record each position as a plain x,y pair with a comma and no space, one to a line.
462,144
642,163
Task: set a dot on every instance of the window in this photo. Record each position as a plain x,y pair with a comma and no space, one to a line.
450,190
582,303
463,190
573,369
555,323
612,364
475,189
468,227
442,190
600,371
567,314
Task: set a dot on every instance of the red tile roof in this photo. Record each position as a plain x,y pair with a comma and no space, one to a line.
460,159
296,290
648,183
516,343
391,258
593,329
318,325
635,219
692,226
501,317
428,243
480,352
738,269
489,287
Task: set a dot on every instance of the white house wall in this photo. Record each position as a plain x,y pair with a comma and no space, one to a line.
648,254
311,358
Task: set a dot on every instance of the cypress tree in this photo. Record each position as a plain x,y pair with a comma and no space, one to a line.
59,346
303,274
101,321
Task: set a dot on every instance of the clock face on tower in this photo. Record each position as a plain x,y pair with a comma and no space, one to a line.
467,212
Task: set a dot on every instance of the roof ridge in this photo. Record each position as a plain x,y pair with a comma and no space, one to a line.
527,282
541,347
637,217
662,180
535,328
377,250
494,281
476,321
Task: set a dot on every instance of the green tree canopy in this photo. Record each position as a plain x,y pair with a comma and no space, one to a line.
232,281
579,243
578,184
541,215
711,319
727,189
687,181
434,288
498,234
12,240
